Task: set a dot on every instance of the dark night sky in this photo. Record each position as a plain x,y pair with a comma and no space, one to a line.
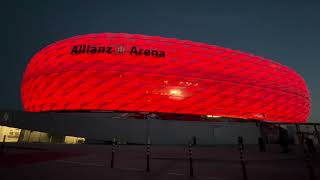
285,31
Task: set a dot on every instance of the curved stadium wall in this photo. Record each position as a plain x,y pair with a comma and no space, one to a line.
138,73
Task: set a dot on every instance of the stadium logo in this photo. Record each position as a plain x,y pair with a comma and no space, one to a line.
119,50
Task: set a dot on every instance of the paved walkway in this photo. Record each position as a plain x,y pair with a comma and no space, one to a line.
167,162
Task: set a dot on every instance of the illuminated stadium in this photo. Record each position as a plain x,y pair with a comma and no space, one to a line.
138,89
138,73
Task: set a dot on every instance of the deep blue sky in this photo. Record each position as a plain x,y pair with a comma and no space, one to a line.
287,31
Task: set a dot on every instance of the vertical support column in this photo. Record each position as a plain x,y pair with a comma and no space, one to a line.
29,136
148,156
262,138
242,161
298,132
147,119
309,163
39,137
190,160
317,133
113,152
2,144
306,153
261,129
50,139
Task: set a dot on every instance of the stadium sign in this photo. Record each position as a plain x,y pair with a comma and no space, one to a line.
134,51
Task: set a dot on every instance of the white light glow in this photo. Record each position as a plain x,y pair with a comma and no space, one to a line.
213,116
175,92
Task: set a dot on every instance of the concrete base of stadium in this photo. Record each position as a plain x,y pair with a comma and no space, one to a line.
99,127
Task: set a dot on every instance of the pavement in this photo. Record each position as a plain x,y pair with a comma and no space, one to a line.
88,162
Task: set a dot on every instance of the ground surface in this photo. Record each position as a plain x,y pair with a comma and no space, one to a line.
65,162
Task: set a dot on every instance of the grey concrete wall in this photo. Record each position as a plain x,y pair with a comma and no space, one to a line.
105,126
206,133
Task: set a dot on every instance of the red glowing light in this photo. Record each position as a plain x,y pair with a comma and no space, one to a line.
151,74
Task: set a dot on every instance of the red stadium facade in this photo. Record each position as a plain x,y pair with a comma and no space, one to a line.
137,73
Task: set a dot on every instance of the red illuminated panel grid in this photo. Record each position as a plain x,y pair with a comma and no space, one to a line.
193,78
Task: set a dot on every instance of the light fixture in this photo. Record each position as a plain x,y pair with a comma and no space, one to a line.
213,116
175,92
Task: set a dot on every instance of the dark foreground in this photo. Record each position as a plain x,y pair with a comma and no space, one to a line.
65,162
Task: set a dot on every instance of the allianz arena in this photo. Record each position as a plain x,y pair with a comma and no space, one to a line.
138,73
